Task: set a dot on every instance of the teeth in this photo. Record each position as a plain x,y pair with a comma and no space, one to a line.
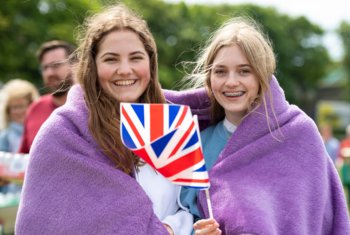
234,94
124,82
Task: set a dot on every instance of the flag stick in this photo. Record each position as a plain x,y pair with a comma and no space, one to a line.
209,203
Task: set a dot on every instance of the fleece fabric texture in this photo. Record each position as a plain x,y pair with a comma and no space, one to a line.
70,187
276,180
198,101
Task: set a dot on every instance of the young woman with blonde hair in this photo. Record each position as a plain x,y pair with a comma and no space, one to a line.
268,167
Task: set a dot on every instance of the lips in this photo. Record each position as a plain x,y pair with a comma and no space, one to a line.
234,94
124,82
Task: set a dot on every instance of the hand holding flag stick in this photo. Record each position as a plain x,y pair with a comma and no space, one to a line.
209,203
166,136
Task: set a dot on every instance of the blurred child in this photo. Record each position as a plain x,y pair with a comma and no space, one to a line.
17,95
331,143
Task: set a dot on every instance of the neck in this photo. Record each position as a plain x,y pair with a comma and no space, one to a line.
60,100
230,127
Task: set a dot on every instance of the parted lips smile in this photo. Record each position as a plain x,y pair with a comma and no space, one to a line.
234,94
124,82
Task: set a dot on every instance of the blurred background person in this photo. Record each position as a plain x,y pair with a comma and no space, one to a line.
17,95
344,151
331,143
55,67
344,156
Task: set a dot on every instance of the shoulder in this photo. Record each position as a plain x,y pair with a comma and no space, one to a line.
4,135
4,132
301,140
210,131
301,123
43,101
333,142
61,134
68,120
5,139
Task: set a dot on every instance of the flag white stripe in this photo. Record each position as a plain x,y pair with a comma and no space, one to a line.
137,123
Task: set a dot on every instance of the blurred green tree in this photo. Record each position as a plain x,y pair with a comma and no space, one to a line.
180,31
24,25
344,32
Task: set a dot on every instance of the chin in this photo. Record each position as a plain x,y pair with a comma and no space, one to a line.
126,100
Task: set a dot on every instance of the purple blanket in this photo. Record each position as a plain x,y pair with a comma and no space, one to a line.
71,188
197,99
260,185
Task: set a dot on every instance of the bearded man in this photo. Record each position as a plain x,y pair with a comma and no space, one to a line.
56,69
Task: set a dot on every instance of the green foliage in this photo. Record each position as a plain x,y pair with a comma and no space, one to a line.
180,31
344,32
24,25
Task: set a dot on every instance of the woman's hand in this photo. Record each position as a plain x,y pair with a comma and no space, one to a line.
207,226
169,229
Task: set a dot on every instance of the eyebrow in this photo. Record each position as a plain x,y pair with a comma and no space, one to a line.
116,54
244,65
138,52
224,66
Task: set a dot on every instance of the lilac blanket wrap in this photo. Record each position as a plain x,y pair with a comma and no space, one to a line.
260,185
70,187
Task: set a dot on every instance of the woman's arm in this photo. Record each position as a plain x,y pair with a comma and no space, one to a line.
196,99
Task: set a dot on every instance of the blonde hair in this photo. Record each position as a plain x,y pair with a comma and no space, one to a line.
15,89
247,35
104,114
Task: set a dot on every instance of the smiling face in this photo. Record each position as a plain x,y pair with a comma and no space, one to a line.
17,108
123,66
233,82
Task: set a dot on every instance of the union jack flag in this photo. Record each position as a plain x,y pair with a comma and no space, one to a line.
166,136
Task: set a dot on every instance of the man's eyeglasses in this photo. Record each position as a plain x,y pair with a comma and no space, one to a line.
53,65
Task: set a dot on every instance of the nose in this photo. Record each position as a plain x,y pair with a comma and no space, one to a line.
49,72
124,68
232,79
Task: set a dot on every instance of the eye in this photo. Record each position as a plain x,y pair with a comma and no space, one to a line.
219,72
137,58
110,59
245,71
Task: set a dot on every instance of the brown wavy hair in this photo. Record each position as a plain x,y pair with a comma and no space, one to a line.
104,116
